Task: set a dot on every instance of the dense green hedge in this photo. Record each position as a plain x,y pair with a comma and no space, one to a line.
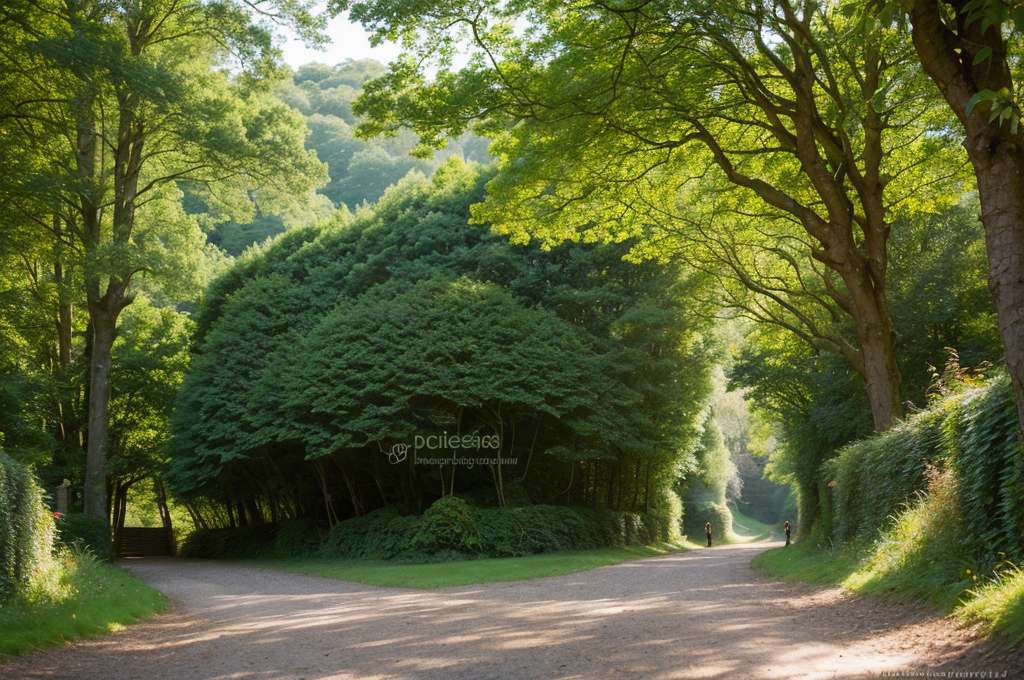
699,514
234,543
451,526
88,532
449,529
975,435
26,529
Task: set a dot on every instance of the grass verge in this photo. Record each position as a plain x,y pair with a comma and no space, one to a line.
805,562
999,607
747,529
996,604
448,574
83,597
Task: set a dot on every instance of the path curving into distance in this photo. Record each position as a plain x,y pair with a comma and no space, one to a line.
700,614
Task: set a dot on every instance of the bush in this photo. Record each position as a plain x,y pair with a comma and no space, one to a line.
664,521
450,529
447,525
379,535
297,538
874,477
699,514
26,529
87,532
249,542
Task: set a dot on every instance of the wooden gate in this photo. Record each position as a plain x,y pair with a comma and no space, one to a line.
144,542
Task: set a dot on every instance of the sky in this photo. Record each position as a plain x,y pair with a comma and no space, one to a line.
348,41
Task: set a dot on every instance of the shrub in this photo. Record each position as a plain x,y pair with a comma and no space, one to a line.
552,528
447,525
699,514
664,521
26,529
87,532
249,542
297,538
379,535
874,477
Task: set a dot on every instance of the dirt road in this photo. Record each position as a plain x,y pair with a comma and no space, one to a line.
701,614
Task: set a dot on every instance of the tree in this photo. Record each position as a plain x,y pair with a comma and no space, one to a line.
606,115
322,350
969,50
125,99
150,359
811,401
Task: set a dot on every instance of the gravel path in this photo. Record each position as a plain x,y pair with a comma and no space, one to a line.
701,614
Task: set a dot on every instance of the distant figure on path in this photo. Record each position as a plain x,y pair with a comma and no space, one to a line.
787,533
707,530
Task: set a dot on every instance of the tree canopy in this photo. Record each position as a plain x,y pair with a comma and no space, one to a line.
335,344
771,144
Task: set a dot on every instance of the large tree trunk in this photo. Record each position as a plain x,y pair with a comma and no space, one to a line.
880,371
1001,189
104,324
949,54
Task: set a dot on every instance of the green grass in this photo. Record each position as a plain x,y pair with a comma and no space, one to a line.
805,562
996,603
448,574
83,597
747,529
999,607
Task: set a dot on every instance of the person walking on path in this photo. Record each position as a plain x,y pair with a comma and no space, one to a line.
787,532
707,530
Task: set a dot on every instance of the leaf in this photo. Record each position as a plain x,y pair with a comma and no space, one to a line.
983,54
1018,19
887,14
982,95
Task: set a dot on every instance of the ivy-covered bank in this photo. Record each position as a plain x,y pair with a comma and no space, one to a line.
932,510
52,587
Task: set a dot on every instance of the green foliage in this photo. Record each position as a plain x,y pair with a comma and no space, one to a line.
297,538
85,598
447,525
452,529
379,535
664,522
974,435
26,530
83,532
321,351
698,514
359,171
236,543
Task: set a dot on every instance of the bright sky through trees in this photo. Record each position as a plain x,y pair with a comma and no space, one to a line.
348,41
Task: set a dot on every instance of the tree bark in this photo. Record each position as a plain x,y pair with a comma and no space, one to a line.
95,489
1002,201
879,368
